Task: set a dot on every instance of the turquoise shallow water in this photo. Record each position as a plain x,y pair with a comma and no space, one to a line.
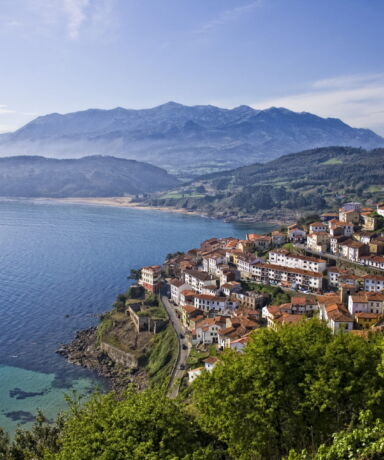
61,266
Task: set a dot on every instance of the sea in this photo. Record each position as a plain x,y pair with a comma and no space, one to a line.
61,266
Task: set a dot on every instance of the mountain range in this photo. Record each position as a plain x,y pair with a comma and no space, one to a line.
34,176
188,140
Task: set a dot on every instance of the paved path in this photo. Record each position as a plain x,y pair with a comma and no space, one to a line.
182,357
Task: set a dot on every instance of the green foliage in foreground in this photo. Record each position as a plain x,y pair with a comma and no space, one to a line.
364,442
291,389
296,393
144,425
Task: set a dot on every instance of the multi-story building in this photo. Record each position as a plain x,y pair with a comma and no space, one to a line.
197,279
278,238
287,259
366,302
334,243
296,233
369,221
213,260
151,278
318,227
177,286
372,261
373,283
206,331
353,250
350,217
244,263
260,242
288,277
206,302
318,242
338,228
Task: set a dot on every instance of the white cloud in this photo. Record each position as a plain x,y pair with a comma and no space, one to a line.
356,99
76,15
226,17
5,111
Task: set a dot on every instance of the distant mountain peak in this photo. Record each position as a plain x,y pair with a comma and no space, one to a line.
175,136
170,105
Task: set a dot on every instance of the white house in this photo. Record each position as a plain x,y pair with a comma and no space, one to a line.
197,279
318,227
380,209
206,330
278,238
239,344
211,261
230,287
366,302
194,373
373,283
353,250
336,228
177,286
245,261
295,233
206,302
318,241
210,363
338,317
150,278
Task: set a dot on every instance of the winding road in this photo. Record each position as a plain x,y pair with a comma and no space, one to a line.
182,357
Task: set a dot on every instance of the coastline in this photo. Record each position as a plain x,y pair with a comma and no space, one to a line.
119,202
84,351
283,218
126,202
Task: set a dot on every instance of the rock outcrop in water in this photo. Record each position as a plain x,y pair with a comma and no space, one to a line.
84,351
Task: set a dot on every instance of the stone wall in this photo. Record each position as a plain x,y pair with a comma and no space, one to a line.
119,356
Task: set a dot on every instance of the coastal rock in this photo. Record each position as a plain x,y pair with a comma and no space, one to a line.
85,351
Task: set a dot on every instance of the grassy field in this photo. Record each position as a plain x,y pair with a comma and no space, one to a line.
333,161
162,355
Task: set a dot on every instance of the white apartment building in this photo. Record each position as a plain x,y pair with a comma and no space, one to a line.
286,259
287,277
206,302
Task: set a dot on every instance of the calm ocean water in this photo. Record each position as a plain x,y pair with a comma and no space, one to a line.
62,265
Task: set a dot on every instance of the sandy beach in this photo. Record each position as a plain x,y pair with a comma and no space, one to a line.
117,201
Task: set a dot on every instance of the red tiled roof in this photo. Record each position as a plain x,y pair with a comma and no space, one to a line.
210,360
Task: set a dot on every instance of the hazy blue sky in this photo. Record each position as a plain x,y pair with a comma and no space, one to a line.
321,56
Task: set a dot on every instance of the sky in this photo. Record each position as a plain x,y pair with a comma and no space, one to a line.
324,57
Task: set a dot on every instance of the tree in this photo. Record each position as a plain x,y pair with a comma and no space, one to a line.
144,425
289,390
4,444
363,442
34,443
135,274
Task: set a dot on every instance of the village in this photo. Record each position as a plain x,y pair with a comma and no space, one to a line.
218,294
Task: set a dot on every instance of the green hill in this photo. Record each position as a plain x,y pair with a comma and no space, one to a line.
306,182
93,176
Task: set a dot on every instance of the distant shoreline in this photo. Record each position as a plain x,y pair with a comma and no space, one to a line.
122,202
126,202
